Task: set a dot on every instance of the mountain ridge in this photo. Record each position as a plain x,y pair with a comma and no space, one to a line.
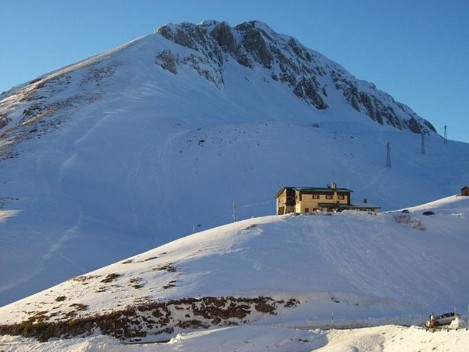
255,42
249,43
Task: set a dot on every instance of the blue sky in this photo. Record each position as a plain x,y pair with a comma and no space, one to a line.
415,50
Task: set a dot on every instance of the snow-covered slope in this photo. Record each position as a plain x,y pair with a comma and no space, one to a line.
159,138
288,271
260,339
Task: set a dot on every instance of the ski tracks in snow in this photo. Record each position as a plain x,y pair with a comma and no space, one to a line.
67,236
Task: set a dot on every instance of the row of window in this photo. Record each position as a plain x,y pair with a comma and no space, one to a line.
329,196
317,196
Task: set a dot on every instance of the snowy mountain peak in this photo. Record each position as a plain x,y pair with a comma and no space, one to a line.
308,74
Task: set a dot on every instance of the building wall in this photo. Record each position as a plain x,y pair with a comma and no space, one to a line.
304,202
282,207
307,203
281,200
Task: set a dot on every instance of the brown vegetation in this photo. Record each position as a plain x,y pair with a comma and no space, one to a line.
148,317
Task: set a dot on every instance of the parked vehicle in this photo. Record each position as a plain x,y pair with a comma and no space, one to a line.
439,320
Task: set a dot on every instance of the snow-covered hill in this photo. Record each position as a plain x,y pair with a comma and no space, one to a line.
159,138
304,272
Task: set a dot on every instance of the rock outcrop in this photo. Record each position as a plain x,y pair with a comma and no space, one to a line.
309,75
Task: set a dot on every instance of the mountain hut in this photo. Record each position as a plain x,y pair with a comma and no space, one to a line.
304,200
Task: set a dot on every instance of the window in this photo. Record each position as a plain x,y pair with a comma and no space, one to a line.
315,196
341,197
306,210
328,196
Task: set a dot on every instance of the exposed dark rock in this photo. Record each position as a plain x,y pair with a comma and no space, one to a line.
429,125
298,50
414,126
110,277
146,318
307,89
3,121
223,35
167,60
290,63
254,43
379,106
166,32
186,35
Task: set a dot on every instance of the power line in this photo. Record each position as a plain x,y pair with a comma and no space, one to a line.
252,205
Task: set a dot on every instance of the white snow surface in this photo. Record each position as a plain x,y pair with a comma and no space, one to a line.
142,157
389,338
364,269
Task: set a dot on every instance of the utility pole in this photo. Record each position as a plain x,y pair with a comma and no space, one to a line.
388,155
445,140
422,146
234,212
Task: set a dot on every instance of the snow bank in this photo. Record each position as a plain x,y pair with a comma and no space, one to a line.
257,339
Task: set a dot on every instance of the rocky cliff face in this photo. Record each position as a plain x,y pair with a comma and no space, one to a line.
308,74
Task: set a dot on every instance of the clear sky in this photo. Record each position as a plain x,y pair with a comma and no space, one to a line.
415,50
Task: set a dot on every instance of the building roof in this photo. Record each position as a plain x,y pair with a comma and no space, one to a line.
363,206
315,190
350,207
